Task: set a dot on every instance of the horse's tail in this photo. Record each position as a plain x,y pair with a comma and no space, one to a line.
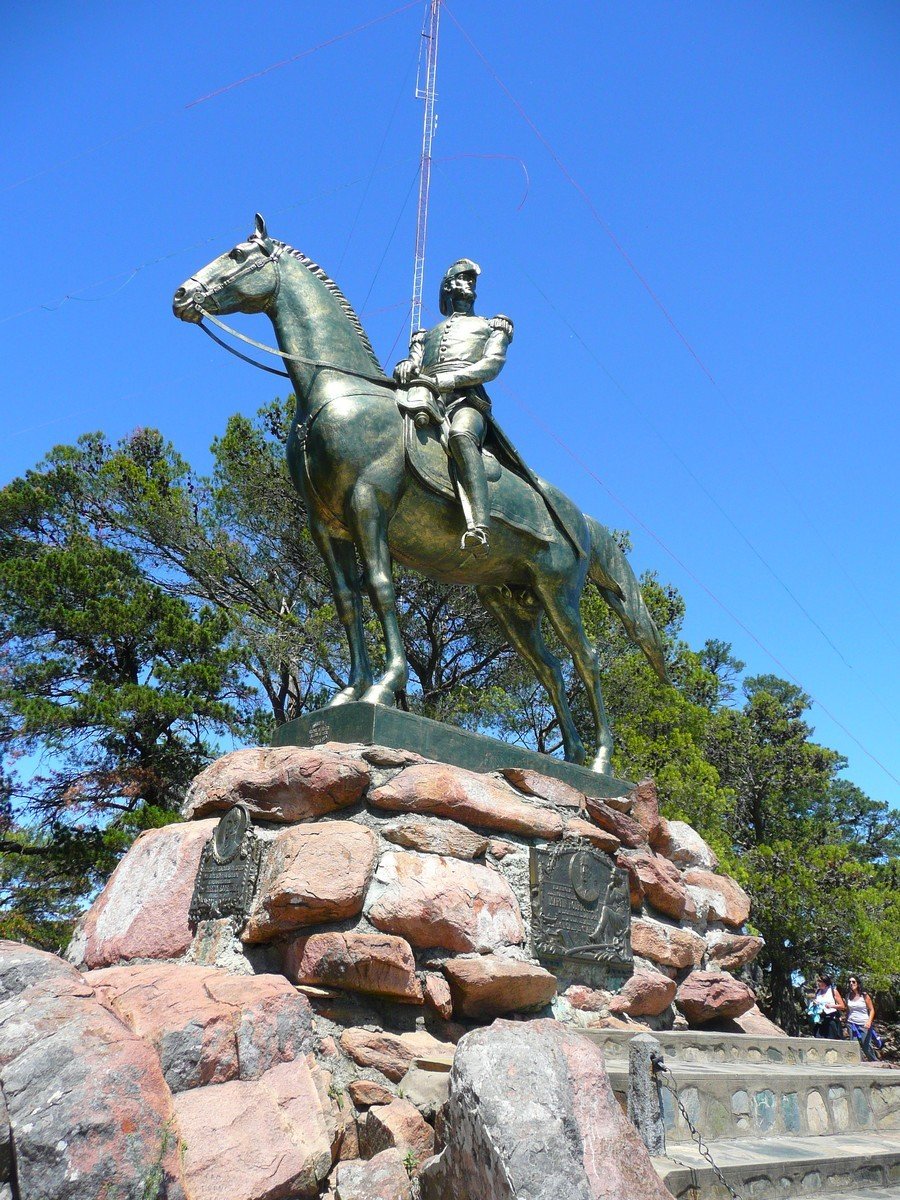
618,585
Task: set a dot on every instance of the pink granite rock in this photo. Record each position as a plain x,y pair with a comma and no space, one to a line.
279,783
143,910
391,1053
601,838
365,1092
666,944
660,881
731,951
438,790
544,787
645,810
399,1125
625,827
712,995
388,756
532,1113
437,995
206,1025
645,994
383,1177
312,874
340,1119
436,901
499,849
756,1023
91,1114
727,900
261,1140
375,963
491,986
587,999
686,848
433,835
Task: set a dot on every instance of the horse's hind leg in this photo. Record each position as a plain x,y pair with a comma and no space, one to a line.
521,622
340,559
368,520
563,609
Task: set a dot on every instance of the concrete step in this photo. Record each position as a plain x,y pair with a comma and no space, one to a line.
833,1165
695,1046
891,1192
727,1100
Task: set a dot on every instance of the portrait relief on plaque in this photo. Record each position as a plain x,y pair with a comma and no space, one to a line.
228,871
580,906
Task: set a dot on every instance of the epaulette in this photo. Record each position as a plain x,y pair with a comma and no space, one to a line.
502,323
418,337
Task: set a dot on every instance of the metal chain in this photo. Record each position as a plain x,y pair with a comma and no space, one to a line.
670,1085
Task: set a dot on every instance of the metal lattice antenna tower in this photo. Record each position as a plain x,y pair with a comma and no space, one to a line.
425,90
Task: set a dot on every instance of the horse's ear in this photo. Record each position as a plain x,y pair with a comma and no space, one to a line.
261,231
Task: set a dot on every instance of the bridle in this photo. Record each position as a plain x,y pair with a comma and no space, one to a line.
246,269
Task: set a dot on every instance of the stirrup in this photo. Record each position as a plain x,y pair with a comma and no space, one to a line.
475,539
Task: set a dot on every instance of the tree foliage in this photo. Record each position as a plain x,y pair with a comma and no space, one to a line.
153,616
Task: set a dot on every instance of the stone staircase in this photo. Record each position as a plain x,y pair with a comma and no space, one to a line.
782,1117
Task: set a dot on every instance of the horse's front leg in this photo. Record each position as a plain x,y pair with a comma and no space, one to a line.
340,559
369,520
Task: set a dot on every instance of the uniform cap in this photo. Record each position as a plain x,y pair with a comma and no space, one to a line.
462,266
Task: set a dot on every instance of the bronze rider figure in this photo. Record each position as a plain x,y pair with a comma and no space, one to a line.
449,366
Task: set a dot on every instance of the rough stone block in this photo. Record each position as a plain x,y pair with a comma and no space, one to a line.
531,1113
666,944
279,783
143,910
443,902
390,1053
710,995
383,1177
90,1111
312,874
437,790
258,1140
399,1125
491,986
375,963
435,835
208,1026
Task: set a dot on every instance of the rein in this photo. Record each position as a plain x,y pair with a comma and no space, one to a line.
382,381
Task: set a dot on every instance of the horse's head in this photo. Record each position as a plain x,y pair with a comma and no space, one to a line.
243,280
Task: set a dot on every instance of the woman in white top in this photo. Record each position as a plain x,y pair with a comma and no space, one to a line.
831,1005
861,1017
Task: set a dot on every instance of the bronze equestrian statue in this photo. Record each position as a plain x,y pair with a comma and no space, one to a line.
377,484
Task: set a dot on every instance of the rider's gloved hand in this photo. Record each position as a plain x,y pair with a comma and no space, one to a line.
405,370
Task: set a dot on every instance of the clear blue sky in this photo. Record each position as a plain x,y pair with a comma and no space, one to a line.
744,155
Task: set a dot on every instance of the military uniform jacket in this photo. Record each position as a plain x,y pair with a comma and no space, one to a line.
463,353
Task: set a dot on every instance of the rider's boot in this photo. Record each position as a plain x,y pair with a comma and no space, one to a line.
473,481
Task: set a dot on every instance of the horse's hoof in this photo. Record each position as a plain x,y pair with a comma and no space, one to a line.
379,693
346,695
601,763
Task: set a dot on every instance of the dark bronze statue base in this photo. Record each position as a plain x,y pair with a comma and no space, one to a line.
373,724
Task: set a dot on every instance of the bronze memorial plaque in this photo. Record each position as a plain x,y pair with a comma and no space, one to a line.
580,907
229,869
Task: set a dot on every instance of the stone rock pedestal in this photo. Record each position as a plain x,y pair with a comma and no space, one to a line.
390,920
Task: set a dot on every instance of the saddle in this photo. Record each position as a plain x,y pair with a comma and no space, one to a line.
513,500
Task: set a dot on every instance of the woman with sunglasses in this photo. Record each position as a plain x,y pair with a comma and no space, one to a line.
861,1017
826,1008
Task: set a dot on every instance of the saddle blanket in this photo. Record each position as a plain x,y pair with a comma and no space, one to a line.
513,500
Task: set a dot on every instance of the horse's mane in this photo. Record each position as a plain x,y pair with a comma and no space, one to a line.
342,300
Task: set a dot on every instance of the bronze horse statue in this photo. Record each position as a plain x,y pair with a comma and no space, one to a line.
350,455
